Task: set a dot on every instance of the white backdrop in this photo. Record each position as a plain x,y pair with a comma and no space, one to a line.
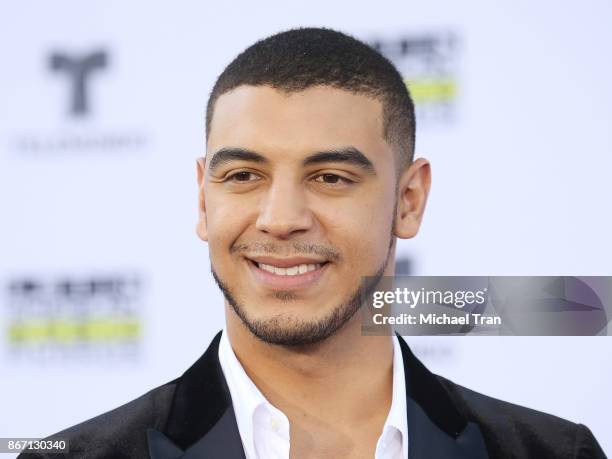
105,288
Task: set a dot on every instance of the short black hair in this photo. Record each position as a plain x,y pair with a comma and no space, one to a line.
300,58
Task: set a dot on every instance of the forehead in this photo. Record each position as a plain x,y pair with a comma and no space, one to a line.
320,117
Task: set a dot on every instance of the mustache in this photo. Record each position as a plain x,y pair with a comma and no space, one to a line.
295,248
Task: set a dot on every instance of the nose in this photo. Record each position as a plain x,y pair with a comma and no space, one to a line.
284,212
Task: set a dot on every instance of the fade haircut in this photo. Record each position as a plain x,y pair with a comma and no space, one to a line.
298,59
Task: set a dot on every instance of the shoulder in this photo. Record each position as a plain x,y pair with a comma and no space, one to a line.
121,432
516,431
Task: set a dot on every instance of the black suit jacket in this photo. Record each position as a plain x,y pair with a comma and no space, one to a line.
193,417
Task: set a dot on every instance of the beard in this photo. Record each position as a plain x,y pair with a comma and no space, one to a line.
291,331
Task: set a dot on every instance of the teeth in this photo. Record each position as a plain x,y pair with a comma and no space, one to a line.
267,267
291,271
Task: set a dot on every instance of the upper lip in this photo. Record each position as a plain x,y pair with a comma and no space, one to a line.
286,262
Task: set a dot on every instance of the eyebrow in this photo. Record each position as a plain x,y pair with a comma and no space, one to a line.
348,155
226,155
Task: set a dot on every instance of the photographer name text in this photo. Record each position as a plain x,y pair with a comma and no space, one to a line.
436,319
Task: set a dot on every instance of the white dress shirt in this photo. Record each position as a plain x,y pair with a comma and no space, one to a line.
264,429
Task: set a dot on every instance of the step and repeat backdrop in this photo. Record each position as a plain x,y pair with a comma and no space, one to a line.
105,289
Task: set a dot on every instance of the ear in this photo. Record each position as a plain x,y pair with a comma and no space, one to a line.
201,227
413,189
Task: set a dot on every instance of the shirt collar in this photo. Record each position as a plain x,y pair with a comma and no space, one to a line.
397,417
247,398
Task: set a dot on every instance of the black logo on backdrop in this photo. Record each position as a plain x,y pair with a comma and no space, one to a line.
81,132
403,266
78,70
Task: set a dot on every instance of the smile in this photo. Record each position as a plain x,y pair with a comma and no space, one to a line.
290,273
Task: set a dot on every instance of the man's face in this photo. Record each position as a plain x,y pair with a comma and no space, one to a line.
298,195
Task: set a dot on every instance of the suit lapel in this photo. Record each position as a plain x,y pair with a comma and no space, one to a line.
201,422
436,428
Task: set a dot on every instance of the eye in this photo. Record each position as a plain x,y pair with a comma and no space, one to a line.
242,177
332,179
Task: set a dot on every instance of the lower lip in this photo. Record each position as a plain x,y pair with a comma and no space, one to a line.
277,282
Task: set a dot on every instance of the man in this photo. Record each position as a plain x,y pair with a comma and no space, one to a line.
308,180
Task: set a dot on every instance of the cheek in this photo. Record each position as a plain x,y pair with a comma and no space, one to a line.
225,223
362,233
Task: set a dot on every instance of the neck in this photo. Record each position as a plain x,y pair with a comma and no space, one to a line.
322,380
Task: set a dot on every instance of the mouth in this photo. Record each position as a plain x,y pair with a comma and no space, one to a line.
288,273
294,270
